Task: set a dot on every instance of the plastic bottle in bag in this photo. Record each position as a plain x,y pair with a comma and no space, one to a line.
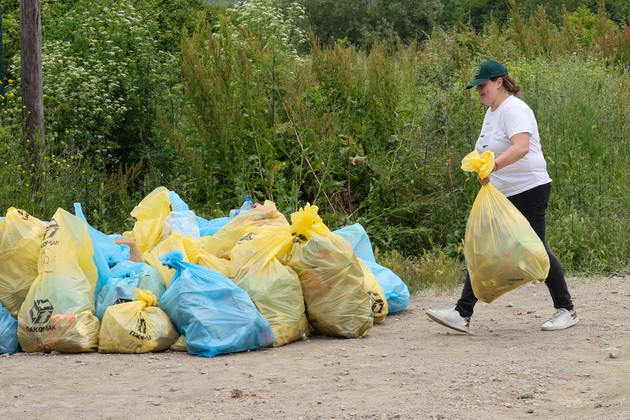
248,204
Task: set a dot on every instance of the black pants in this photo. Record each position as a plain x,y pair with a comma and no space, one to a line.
533,204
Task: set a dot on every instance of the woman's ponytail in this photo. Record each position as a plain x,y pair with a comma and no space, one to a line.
510,85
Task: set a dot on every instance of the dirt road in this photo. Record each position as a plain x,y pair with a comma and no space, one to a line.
406,368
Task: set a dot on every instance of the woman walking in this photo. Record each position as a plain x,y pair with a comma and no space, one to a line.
510,131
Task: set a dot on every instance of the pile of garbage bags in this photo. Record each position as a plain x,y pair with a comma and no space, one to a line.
184,283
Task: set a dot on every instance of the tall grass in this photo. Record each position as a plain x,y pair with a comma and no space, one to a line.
583,110
377,137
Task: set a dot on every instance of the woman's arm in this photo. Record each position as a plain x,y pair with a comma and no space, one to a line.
518,149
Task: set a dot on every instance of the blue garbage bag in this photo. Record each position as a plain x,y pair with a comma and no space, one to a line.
210,227
106,251
8,332
214,314
125,251
128,276
357,237
396,290
177,204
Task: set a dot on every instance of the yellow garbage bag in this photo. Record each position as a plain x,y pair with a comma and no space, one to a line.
58,312
136,327
331,276
375,292
482,164
21,237
179,344
150,214
274,288
188,245
242,227
207,260
502,250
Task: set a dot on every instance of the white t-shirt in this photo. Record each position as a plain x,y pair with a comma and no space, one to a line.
512,117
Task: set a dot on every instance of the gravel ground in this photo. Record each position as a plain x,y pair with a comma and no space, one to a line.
406,368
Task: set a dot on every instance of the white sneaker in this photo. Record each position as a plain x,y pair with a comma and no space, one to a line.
563,318
450,318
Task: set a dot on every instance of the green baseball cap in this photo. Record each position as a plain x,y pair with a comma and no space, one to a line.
486,71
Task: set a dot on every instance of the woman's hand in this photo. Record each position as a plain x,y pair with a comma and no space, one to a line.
483,181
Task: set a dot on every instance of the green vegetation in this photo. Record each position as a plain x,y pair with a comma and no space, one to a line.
371,127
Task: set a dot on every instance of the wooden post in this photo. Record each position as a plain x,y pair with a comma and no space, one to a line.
2,90
32,85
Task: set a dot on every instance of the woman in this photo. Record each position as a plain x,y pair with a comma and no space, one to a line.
510,131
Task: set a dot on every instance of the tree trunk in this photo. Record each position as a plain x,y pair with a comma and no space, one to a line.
2,91
32,86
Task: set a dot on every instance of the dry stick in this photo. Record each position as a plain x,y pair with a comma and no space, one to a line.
348,178
297,135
